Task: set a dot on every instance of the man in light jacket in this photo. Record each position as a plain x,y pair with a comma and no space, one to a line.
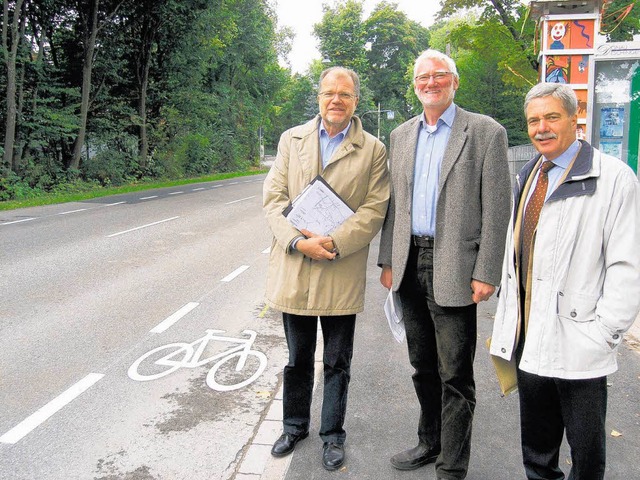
313,276
563,312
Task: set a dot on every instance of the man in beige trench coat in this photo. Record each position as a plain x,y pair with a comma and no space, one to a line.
313,276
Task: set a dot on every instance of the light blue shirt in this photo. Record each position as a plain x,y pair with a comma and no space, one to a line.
432,142
557,171
328,145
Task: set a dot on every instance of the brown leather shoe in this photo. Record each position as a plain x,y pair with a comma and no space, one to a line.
415,457
287,444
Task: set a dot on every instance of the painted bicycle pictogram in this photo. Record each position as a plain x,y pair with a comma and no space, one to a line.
189,355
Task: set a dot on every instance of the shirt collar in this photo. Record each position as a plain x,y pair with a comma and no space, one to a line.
566,157
447,117
323,131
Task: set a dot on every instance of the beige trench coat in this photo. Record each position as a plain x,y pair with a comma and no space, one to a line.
357,171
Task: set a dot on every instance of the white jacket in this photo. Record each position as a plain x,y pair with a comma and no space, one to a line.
585,275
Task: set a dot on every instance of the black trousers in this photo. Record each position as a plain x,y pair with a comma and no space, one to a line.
549,407
301,332
442,345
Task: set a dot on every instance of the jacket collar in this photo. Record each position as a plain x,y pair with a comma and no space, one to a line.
581,179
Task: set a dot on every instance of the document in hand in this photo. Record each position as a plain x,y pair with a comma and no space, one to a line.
393,312
318,208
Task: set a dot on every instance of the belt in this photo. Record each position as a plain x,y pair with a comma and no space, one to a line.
422,241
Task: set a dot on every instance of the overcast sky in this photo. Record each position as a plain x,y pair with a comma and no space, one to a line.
301,15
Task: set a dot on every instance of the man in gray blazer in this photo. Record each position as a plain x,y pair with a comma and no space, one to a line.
441,251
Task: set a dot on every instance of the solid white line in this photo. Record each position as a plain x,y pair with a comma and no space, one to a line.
169,321
175,193
241,200
142,226
149,198
32,421
72,211
235,273
267,250
18,221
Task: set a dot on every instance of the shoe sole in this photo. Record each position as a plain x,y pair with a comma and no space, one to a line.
417,465
280,455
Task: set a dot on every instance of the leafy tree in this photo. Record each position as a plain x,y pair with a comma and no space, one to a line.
620,20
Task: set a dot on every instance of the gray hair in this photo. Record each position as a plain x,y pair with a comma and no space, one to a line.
343,71
432,54
562,92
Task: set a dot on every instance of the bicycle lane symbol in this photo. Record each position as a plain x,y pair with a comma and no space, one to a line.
189,355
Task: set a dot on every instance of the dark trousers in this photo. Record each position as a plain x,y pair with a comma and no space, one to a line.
548,407
301,331
442,344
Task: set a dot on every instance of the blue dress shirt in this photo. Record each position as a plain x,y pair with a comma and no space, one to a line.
432,142
328,145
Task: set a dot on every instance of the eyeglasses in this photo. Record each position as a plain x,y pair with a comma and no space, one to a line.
342,96
437,76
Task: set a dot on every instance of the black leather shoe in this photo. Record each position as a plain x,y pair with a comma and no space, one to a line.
415,457
332,455
287,443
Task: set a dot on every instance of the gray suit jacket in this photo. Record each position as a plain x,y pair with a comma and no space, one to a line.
472,211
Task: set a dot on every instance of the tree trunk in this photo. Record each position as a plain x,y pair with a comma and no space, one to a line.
142,112
87,67
10,65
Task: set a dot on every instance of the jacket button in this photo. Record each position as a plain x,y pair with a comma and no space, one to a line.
573,314
561,294
616,336
503,350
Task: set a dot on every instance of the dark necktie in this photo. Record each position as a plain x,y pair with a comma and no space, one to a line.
531,216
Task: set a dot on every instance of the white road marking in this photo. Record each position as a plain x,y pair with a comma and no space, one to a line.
149,198
197,189
114,204
72,211
233,183
18,221
169,321
267,250
35,419
235,273
241,200
217,186
175,193
142,226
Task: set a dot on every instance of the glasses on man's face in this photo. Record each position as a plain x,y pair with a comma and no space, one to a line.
437,77
345,97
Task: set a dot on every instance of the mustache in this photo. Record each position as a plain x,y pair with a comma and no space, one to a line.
545,136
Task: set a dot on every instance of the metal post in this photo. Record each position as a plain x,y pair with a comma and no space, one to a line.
378,120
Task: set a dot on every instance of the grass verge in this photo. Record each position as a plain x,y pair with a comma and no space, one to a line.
73,196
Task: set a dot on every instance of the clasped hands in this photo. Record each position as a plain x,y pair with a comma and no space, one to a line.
316,247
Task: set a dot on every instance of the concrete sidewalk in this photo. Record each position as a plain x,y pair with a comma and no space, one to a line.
383,411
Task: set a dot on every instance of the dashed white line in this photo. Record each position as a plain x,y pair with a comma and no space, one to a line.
235,273
72,211
241,200
149,198
175,193
18,221
35,419
142,226
197,189
217,186
169,321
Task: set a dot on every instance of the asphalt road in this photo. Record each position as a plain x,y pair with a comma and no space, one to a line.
87,288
